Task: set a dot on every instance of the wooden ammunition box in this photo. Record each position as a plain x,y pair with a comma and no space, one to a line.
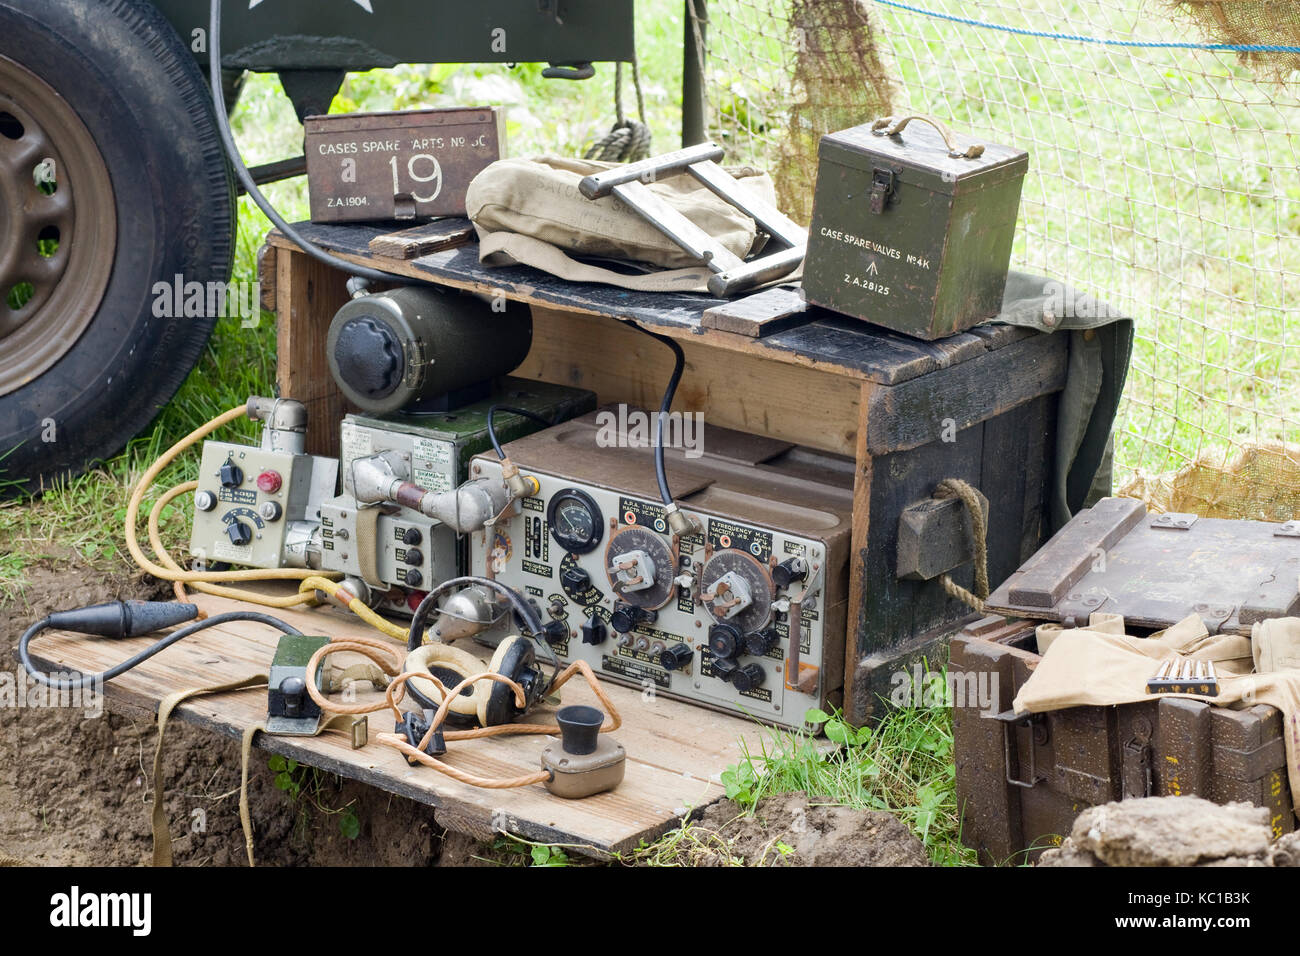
405,165
1021,781
909,236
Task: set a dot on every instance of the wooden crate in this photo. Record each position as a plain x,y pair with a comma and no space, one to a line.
979,406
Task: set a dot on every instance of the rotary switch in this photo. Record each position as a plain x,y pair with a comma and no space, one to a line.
557,632
789,571
239,533
760,643
747,677
628,616
230,475
725,640
730,595
676,657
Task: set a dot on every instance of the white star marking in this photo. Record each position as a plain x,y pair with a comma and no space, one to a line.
363,4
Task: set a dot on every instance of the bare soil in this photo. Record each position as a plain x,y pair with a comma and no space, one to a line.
78,791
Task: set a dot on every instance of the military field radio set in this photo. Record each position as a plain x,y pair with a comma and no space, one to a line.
728,590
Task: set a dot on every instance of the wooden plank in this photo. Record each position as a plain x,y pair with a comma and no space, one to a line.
1068,556
864,472
741,391
308,294
834,343
423,239
924,410
676,752
766,312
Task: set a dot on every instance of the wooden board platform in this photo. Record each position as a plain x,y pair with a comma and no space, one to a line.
676,752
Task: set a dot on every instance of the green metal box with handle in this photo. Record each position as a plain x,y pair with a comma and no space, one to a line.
912,226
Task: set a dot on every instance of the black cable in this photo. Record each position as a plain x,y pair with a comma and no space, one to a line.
246,178
144,655
678,368
491,425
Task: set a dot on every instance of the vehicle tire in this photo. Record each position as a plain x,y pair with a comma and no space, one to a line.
105,96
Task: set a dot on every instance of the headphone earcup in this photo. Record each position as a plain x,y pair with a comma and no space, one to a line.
451,665
514,658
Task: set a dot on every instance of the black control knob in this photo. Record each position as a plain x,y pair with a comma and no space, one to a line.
239,533
676,657
594,631
725,640
723,668
759,643
414,578
204,500
575,579
789,571
230,475
748,677
628,616
556,632
414,556
412,536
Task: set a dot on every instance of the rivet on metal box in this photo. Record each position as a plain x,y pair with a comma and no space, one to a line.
912,225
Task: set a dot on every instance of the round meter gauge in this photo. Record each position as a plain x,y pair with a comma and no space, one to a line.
575,521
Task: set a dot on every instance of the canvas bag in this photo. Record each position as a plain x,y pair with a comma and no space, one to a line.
1088,666
529,211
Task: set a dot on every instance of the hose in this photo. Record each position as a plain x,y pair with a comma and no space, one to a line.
180,634
246,178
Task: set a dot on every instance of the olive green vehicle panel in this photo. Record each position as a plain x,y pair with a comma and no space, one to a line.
272,35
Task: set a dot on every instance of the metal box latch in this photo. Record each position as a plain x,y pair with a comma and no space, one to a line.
882,187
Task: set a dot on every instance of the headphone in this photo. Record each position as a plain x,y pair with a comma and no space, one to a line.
488,703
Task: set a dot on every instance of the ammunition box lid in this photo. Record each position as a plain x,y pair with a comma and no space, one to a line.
920,157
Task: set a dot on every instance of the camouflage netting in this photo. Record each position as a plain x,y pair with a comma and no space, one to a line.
1251,23
1162,180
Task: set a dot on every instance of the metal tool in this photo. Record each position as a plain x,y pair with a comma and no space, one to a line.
734,275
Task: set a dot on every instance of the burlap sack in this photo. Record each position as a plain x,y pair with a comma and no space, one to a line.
539,199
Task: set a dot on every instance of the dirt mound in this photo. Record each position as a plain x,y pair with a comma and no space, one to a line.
77,789
793,829
1173,831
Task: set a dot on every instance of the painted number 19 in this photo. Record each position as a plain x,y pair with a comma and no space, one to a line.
420,168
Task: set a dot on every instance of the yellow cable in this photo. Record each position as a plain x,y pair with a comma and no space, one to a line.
133,517
355,605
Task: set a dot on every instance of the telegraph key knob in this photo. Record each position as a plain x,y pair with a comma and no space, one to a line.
239,533
789,571
676,657
725,640
747,677
231,475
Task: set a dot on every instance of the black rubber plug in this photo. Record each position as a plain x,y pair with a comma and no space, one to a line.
579,728
123,618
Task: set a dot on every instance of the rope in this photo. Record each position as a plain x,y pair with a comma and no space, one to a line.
966,493
629,140
1101,41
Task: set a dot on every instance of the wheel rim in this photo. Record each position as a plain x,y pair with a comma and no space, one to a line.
58,226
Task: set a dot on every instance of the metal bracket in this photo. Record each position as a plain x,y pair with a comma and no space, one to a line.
1173,520
1009,720
733,276
1137,769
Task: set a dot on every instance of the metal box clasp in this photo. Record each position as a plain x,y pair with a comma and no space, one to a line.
882,187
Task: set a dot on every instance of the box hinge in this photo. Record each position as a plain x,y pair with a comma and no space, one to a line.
1174,520
1137,768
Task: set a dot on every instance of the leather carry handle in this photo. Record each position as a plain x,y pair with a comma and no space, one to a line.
891,126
